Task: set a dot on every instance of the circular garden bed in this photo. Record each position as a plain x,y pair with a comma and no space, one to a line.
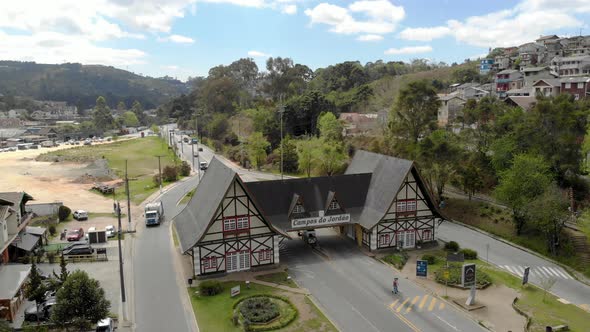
264,312
482,279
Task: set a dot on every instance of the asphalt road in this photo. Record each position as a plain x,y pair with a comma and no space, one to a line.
514,260
355,290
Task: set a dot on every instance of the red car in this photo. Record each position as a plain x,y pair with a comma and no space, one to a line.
75,235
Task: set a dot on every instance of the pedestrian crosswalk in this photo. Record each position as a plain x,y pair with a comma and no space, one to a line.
417,303
538,271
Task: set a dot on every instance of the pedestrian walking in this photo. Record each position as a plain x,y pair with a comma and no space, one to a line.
395,286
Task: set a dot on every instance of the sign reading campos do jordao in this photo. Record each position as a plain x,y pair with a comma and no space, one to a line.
468,275
320,221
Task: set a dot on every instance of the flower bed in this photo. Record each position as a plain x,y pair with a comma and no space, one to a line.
264,312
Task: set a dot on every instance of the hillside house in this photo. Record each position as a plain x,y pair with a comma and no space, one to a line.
571,66
531,54
451,106
14,219
533,74
547,87
362,123
506,80
579,87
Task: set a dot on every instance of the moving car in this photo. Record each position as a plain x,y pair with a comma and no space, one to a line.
75,235
203,165
79,250
80,215
111,231
41,312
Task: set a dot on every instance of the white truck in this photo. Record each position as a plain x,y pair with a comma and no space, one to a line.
154,213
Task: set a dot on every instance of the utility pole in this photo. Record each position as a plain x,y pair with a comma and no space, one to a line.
121,256
128,198
160,172
198,139
281,111
193,154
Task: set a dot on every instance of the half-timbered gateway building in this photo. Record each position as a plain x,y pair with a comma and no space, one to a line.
230,225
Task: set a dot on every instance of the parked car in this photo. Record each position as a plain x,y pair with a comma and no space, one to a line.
41,312
80,215
185,139
74,244
79,250
75,235
111,231
105,325
203,165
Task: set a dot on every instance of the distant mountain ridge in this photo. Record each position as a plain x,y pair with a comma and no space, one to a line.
80,85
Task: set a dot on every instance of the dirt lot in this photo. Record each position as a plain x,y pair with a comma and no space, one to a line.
49,182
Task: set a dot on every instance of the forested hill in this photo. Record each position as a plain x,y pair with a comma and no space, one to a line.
80,85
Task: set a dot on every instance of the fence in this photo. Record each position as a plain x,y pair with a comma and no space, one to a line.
44,209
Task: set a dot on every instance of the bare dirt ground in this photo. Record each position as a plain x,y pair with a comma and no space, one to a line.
50,182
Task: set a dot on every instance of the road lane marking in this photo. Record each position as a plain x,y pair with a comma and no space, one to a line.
444,321
392,305
423,302
549,272
402,305
562,273
542,273
404,319
432,303
358,312
441,306
410,306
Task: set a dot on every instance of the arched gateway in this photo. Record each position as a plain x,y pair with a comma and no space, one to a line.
230,225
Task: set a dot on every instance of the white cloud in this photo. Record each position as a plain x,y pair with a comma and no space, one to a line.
380,17
289,9
409,50
180,39
243,3
258,54
52,47
523,23
370,38
424,34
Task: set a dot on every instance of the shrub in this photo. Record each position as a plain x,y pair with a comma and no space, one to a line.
452,246
431,259
52,230
210,287
51,257
235,318
398,260
469,253
259,309
287,314
63,212
481,277
157,180
169,174
184,169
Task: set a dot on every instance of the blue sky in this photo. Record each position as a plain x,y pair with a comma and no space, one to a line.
184,38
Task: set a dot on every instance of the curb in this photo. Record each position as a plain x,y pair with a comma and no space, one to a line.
514,245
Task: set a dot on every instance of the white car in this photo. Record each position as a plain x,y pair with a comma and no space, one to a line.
105,325
80,215
111,231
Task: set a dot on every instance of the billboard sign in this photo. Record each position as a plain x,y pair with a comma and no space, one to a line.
421,268
320,221
468,275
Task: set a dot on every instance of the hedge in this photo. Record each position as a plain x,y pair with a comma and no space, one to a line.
279,323
452,246
482,278
210,287
469,253
63,212
431,259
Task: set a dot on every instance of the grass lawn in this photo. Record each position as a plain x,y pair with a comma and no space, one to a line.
174,237
214,312
141,156
498,221
543,313
278,278
396,259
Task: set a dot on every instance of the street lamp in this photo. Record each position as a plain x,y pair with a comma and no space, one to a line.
281,111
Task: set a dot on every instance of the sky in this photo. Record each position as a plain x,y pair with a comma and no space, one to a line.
183,38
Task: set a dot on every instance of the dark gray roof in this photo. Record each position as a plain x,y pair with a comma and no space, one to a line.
12,277
27,242
39,231
388,176
275,198
15,197
192,222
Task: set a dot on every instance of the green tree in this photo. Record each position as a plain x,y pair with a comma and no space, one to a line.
302,112
137,109
121,107
548,212
469,176
306,154
527,178
257,148
35,288
130,119
102,117
331,157
218,126
80,302
330,127
412,115
290,164
438,154
155,129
